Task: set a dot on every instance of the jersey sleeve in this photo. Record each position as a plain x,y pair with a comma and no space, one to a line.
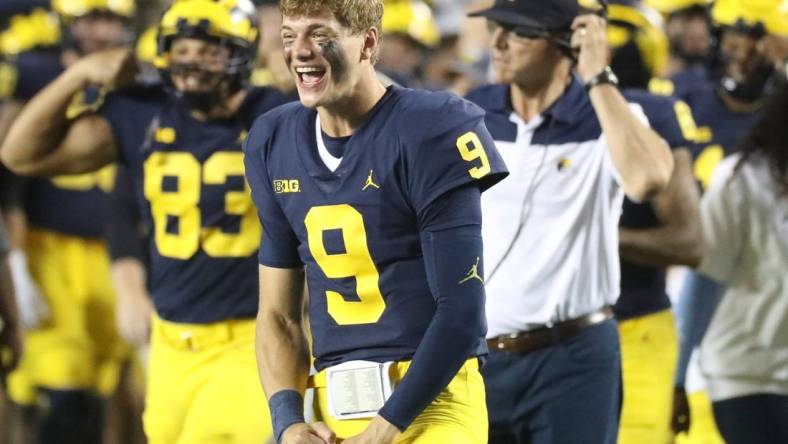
279,244
130,114
123,230
455,148
672,120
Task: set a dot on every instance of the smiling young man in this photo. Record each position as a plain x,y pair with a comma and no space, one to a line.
183,150
376,192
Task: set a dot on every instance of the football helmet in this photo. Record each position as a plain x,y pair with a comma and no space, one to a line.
72,9
640,46
230,23
38,29
413,19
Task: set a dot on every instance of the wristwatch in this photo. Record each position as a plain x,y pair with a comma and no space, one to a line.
606,76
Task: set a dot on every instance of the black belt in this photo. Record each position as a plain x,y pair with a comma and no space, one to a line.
542,337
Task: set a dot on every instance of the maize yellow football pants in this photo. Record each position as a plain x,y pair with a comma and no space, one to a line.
458,415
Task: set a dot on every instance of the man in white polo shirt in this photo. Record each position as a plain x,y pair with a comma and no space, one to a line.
574,146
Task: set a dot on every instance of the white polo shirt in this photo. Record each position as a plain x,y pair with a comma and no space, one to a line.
563,197
745,232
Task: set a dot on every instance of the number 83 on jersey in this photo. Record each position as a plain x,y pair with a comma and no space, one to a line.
174,185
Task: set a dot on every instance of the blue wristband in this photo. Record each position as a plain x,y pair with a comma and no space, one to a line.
287,408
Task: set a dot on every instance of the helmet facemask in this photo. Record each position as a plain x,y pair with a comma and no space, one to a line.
229,76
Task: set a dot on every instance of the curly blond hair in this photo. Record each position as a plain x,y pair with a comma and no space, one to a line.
357,15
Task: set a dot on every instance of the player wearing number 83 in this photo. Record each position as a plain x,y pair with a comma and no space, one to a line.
374,191
184,151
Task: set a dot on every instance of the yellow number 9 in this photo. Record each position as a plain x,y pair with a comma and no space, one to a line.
356,262
471,149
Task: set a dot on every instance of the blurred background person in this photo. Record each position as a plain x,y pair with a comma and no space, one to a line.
271,69
688,27
410,32
775,45
697,299
74,356
10,329
744,353
640,47
202,383
652,235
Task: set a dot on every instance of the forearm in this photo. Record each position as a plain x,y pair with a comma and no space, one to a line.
678,240
129,278
8,309
640,156
8,113
696,305
16,227
281,345
455,331
448,343
42,123
659,247
282,354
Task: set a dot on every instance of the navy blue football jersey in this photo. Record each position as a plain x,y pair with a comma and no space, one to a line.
719,130
71,205
189,177
356,229
643,288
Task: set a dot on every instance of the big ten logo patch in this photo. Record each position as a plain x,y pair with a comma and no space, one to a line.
287,186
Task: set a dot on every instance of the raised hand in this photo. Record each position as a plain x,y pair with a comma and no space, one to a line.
590,40
113,68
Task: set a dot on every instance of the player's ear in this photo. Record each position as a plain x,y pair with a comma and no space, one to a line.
371,42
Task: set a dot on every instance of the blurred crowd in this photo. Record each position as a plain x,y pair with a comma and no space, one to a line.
724,62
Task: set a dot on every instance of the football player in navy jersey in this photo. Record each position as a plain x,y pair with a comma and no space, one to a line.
74,355
183,151
652,235
370,195
726,106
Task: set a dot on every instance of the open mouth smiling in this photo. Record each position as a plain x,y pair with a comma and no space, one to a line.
310,76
